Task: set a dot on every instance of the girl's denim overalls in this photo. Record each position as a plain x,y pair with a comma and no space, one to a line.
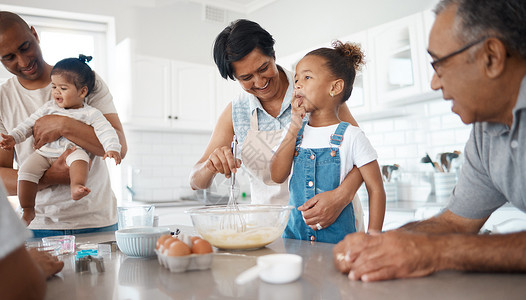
316,171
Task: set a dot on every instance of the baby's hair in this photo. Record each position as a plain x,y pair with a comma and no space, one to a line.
77,71
343,60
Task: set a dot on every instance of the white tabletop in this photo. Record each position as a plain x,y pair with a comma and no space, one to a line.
136,278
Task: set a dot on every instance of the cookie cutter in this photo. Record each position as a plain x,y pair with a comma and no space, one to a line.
83,264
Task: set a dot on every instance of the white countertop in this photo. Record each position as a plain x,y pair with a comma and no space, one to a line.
136,278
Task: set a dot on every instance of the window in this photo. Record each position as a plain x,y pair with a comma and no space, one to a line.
64,34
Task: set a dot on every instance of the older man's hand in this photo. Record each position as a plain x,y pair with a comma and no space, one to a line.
382,256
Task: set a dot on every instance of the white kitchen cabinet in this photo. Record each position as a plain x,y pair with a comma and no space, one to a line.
397,70
151,92
159,93
193,96
359,102
429,18
397,52
226,91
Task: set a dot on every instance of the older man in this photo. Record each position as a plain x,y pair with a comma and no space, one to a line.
479,52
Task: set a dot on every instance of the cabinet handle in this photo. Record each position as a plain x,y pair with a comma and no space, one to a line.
169,117
175,117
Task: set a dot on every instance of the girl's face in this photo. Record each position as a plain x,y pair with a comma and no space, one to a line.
66,94
258,75
313,82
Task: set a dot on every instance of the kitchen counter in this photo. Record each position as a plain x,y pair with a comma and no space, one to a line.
136,278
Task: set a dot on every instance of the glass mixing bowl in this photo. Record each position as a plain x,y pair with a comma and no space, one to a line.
264,224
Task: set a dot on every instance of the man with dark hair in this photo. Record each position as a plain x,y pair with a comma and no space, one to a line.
479,53
20,96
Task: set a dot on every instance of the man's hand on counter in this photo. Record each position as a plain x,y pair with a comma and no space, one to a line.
380,256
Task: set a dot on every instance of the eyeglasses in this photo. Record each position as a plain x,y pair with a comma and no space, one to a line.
436,63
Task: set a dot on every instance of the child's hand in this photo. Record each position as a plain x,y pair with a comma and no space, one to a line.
28,214
298,111
113,154
7,142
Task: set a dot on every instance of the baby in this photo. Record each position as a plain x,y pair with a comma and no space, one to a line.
72,80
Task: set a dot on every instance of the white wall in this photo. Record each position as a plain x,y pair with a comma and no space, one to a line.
166,158
297,25
175,29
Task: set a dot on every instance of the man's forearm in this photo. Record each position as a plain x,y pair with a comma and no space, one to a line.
446,222
82,135
428,226
484,253
460,247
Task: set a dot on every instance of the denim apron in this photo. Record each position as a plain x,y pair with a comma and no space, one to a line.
316,171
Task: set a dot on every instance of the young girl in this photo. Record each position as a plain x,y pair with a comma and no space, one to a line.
326,149
72,80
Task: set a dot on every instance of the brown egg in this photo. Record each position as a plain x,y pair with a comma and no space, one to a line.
161,240
201,246
193,238
166,245
178,248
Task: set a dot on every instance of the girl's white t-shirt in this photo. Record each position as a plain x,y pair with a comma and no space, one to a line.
355,149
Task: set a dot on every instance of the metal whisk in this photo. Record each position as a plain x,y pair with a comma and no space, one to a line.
234,219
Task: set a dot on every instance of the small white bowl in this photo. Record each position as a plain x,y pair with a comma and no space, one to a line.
274,268
139,241
280,268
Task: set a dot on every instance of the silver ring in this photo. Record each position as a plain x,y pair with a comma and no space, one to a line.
318,226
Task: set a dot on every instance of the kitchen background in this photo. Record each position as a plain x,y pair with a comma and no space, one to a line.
156,56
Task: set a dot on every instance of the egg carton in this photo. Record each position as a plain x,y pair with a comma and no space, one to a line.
178,264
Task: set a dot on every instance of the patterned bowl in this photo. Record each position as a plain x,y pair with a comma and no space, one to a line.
139,241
